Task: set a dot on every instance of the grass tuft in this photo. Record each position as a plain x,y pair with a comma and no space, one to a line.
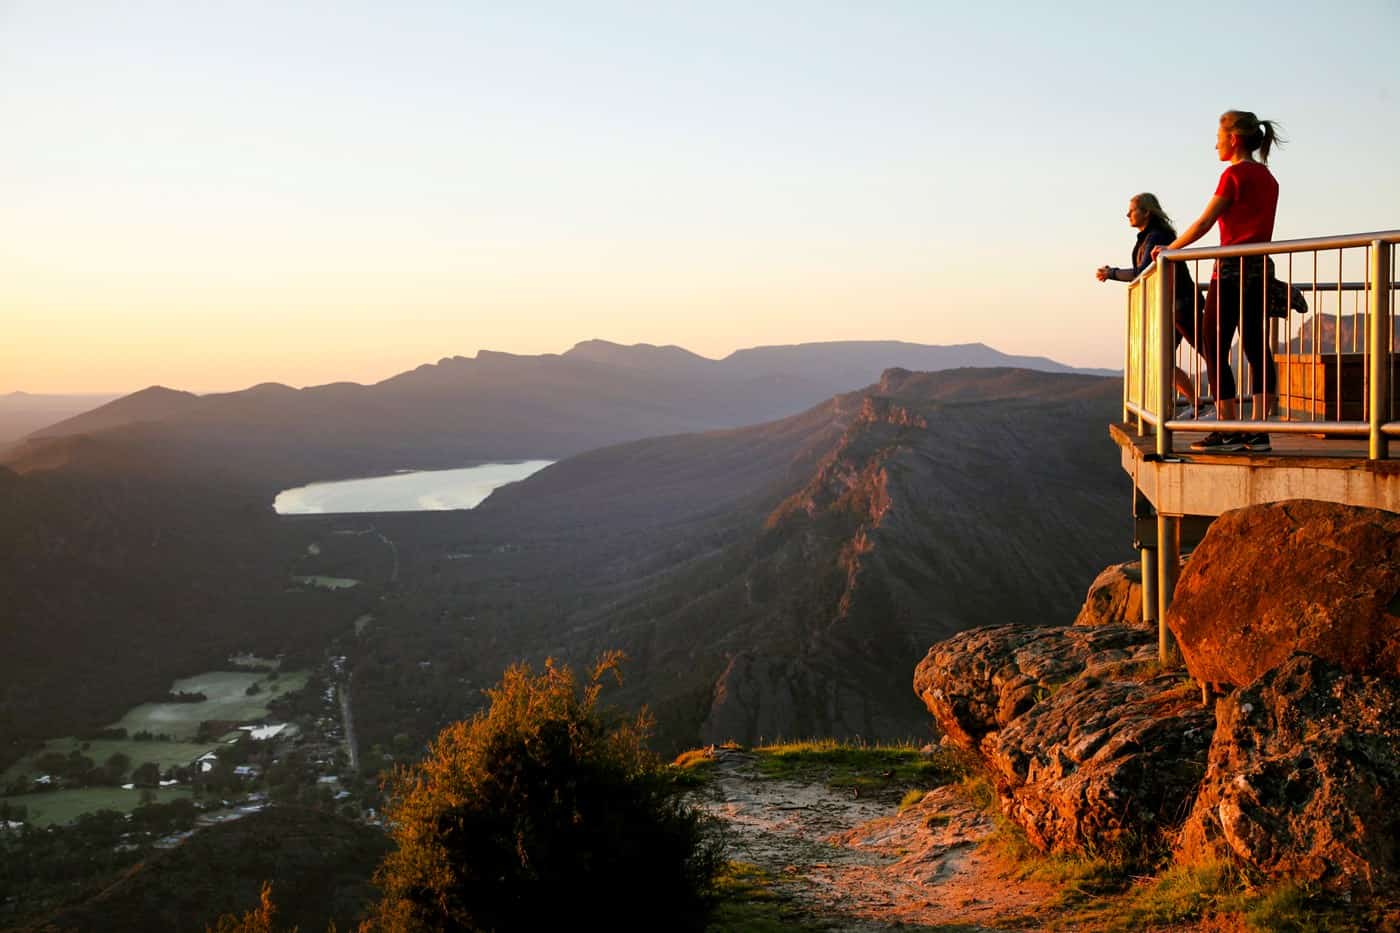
747,900
863,767
692,768
911,798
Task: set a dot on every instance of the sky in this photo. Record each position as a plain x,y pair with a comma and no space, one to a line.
210,196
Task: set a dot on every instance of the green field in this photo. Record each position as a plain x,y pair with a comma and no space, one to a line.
227,700
165,754
64,806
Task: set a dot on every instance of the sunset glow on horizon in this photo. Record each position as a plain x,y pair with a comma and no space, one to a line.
209,199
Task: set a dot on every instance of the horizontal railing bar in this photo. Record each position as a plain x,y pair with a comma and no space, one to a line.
1347,428
1303,285
1306,287
1310,244
1343,428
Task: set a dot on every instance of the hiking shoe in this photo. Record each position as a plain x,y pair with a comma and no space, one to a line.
1188,412
1217,442
1257,443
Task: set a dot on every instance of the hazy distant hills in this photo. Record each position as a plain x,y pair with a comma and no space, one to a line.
23,412
492,406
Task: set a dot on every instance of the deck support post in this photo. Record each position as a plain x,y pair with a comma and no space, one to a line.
1148,558
1168,567
1378,340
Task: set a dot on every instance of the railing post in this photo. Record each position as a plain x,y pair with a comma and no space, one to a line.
1127,355
1380,340
1168,568
1162,355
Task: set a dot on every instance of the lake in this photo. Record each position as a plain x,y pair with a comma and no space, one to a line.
423,491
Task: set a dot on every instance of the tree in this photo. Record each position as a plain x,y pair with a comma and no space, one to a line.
542,809
147,775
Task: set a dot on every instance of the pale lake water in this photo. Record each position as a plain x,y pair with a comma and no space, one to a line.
425,491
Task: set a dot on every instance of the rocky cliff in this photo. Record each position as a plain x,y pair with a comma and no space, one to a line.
1095,749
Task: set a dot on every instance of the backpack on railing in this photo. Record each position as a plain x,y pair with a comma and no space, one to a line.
1283,298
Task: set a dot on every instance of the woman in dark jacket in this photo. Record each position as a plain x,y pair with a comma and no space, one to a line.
1155,230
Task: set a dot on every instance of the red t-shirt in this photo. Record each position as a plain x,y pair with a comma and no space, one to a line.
1253,193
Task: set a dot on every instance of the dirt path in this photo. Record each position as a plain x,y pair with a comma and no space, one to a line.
855,863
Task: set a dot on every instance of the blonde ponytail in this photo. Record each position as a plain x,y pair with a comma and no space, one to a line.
1256,134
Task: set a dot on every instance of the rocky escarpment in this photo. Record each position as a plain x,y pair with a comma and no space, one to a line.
1095,749
920,520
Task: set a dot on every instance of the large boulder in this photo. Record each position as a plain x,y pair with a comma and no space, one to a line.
978,681
1114,598
1292,576
1108,764
1303,779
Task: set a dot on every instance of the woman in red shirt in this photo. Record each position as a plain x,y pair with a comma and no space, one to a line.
1244,204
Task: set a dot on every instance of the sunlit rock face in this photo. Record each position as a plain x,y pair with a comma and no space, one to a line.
1114,598
978,681
1303,779
1291,576
1108,764
1092,748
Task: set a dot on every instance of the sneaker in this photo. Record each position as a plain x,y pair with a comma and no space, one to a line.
1257,443
1187,412
1217,442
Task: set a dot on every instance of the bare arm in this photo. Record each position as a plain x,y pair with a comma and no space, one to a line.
1214,208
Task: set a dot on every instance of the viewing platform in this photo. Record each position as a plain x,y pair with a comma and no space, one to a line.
1333,410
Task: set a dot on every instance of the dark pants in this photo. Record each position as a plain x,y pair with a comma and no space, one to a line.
1223,316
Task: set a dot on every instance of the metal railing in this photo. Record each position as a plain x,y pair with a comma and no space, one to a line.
1333,370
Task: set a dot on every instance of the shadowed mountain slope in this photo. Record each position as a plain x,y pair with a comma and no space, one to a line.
319,864
767,581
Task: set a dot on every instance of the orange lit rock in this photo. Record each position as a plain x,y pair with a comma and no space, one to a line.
1291,576
1108,764
978,681
1115,597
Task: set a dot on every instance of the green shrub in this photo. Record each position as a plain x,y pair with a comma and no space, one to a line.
543,810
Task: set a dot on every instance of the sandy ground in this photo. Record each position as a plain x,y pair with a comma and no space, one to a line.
855,863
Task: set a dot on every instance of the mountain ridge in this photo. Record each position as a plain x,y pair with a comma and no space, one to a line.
463,410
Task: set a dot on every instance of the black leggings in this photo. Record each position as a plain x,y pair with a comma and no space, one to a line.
1222,316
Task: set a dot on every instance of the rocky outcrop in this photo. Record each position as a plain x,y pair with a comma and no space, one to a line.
1106,764
977,682
1090,746
1115,597
1291,576
1303,777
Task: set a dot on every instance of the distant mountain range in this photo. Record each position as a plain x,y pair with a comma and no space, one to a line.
492,406
23,412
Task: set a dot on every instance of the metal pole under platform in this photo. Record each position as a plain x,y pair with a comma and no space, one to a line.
1168,568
